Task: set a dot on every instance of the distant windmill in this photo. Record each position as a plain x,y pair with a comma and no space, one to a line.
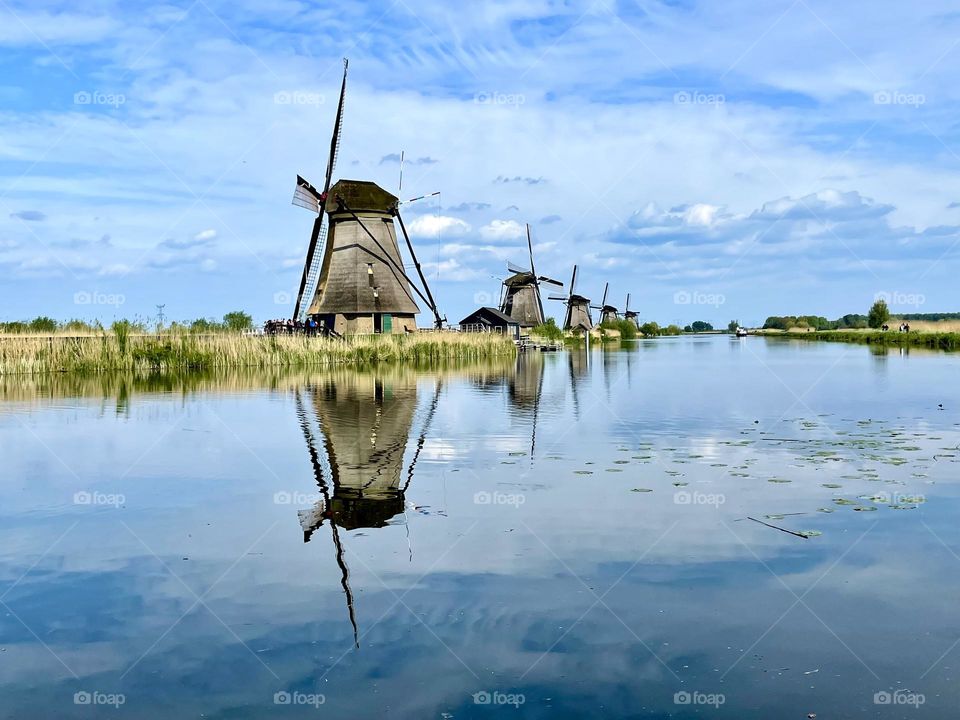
521,298
631,315
578,317
608,313
354,279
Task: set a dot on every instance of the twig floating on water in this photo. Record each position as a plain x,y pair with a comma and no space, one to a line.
790,532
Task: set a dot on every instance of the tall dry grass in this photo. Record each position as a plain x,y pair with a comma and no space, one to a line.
27,354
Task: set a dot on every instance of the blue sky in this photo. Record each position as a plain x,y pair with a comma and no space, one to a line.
716,160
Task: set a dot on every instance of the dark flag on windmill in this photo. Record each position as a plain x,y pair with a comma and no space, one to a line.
521,299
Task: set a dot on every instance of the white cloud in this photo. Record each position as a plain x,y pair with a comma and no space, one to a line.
115,269
205,235
451,269
502,230
435,226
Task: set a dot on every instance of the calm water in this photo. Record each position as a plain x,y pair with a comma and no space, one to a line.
567,536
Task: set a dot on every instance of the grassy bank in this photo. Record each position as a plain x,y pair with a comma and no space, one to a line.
934,340
27,354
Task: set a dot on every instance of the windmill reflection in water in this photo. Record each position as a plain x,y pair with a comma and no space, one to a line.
364,421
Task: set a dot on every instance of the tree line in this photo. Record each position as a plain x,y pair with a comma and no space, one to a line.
237,321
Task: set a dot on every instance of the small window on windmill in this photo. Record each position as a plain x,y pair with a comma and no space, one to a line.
370,275
376,292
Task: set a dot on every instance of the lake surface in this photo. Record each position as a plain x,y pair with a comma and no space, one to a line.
562,536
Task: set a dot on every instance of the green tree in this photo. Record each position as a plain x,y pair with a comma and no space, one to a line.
733,325
627,328
671,330
43,324
548,330
237,321
701,326
203,325
650,329
879,314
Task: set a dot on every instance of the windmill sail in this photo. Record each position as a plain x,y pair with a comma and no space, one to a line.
318,235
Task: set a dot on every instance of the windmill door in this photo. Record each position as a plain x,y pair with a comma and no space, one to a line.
387,323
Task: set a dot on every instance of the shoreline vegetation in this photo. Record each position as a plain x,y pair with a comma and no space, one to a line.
947,340
938,331
120,350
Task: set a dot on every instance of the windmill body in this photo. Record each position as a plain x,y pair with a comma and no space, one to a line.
362,287
521,300
521,292
577,318
631,315
608,313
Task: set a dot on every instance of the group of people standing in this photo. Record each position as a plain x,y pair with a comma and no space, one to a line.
291,327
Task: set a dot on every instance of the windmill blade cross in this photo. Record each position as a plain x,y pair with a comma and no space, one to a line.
558,297
549,281
516,268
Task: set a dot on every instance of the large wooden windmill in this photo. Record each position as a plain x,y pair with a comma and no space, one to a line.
521,299
608,313
631,315
354,281
577,318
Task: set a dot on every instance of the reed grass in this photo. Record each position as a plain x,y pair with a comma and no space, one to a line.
28,354
934,340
